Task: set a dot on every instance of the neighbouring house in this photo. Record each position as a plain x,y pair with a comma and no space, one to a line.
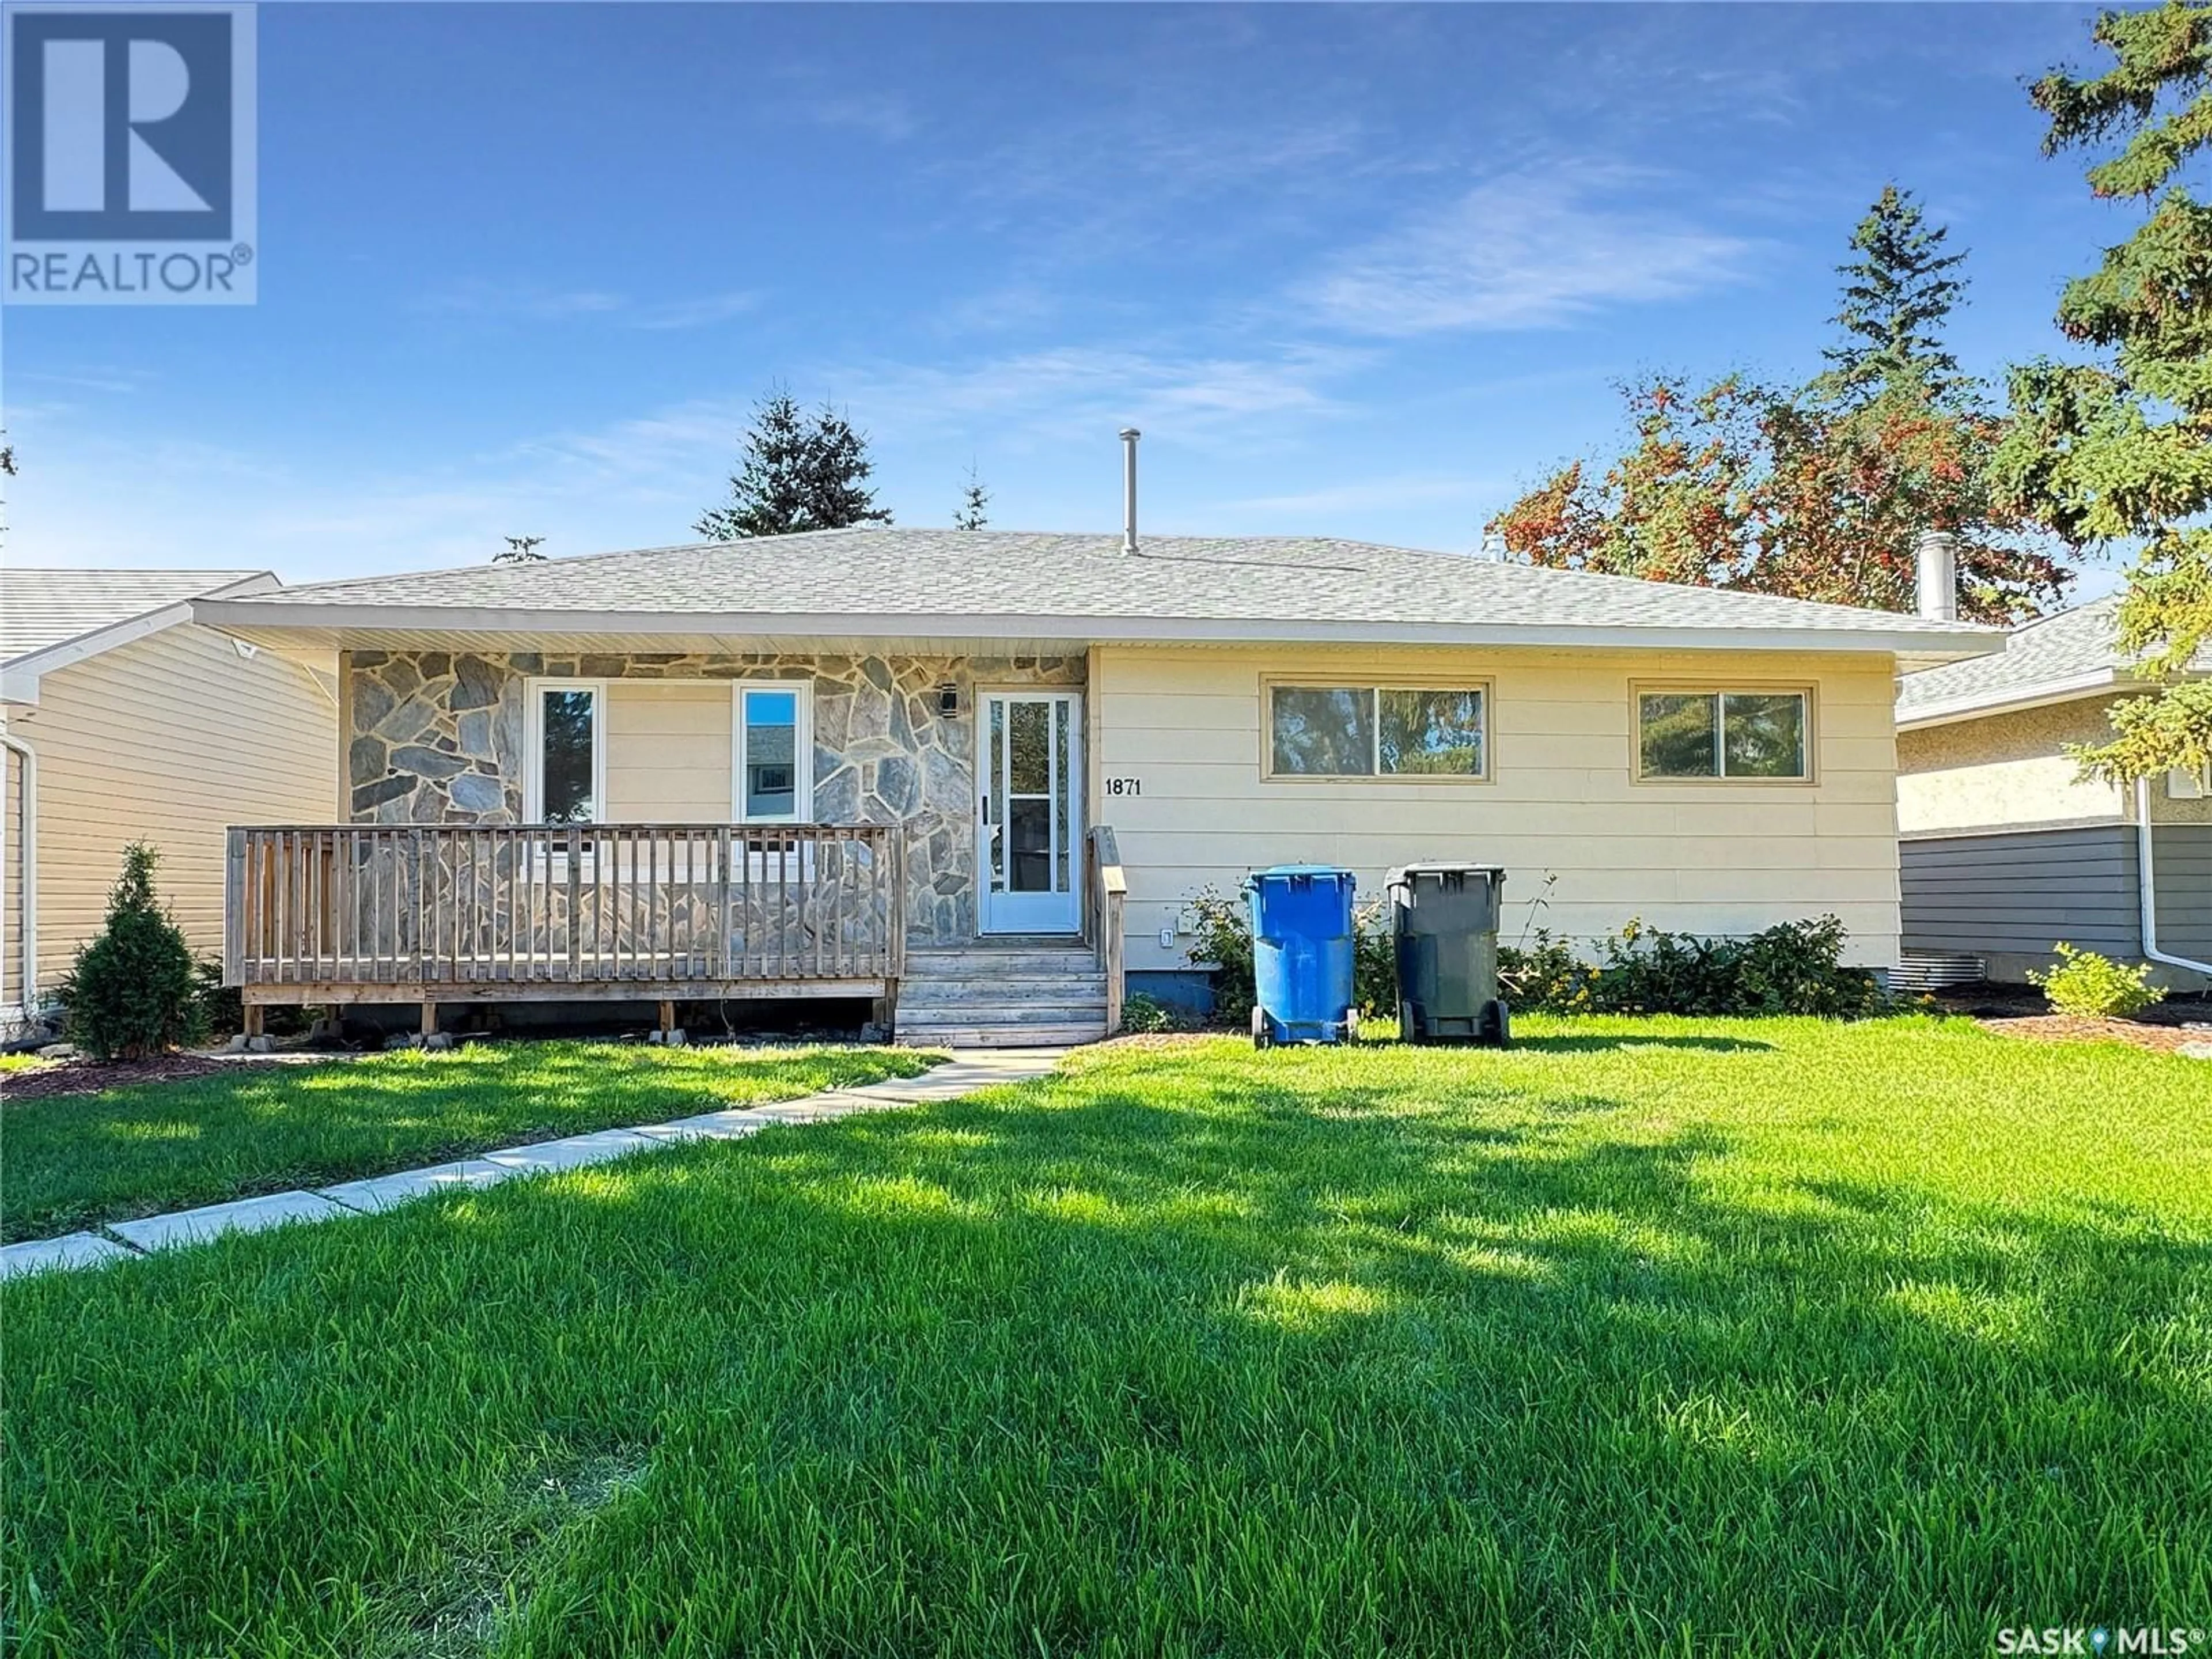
124,720
977,776
2006,850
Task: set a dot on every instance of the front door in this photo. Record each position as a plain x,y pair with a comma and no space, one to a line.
1029,828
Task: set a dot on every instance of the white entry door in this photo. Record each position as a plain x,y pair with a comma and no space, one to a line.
1029,813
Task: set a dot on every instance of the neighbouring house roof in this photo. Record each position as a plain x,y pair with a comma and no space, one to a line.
2072,653
966,588
50,619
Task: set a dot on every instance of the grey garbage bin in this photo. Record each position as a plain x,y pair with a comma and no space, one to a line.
1443,919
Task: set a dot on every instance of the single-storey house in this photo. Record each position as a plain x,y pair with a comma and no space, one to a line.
978,776
123,720
2006,850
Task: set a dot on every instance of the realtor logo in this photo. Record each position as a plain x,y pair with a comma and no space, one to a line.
129,156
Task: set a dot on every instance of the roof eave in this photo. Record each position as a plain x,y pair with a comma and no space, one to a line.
19,677
1921,648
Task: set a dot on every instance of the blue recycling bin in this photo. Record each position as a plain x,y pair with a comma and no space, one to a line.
1302,955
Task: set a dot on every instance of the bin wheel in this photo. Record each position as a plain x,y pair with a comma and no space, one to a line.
1497,1023
1262,1035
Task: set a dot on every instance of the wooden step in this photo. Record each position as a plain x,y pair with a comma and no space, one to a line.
992,1036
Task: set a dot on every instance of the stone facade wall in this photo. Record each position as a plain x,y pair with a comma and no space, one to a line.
439,737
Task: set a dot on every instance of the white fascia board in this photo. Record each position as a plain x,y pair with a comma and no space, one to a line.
1932,646
2011,700
19,680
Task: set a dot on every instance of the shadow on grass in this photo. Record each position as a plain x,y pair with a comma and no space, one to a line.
1204,1358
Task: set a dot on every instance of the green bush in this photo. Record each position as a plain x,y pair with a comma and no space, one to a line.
1794,968
1142,1012
131,993
1374,960
1223,941
1544,972
2096,988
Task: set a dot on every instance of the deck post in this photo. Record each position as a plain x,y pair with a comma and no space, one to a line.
667,1019
429,1017
254,1017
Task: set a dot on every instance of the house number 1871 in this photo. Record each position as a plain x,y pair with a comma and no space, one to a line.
1125,786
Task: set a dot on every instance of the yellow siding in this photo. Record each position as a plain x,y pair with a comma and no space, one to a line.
668,751
2006,771
1712,858
11,866
170,739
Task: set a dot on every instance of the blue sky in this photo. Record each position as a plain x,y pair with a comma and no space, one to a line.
1356,271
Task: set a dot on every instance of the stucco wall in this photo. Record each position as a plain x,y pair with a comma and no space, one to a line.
437,738
2012,771
1184,727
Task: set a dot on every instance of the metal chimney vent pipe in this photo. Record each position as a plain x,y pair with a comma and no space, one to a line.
1129,436
1935,576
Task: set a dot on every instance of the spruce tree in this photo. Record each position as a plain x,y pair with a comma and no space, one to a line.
1897,294
973,511
798,471
131,993
2120,449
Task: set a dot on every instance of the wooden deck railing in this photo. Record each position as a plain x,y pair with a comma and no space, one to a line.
1105,890
605,906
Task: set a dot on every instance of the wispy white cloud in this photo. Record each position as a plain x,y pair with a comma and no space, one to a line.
1076,391
884,115
489,299
1535,249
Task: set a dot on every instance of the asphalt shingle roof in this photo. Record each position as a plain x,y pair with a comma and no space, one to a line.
43,608
2050,650
995,573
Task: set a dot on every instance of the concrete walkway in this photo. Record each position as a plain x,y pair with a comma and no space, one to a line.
974,1069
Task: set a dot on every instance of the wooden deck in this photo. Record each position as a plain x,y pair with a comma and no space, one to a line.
333,913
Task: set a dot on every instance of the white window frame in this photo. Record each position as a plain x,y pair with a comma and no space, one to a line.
533,775
802,743
1640,690
1480,685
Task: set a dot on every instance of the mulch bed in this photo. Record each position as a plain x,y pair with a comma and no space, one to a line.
2073,1028
91,1077
2018,1011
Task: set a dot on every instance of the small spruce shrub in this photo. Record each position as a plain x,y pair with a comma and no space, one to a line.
132,993
2096,988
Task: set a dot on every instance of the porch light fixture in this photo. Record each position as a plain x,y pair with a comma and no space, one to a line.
948,700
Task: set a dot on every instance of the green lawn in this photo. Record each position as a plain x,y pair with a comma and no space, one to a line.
76,1160
1660,1337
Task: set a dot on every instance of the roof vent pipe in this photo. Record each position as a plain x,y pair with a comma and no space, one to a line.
1492,547
1936,578
1129,436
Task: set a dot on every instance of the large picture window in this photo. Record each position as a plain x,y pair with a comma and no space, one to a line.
774,752
567,780
1722,734
1366,731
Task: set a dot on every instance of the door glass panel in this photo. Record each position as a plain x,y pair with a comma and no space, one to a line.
567,719
1031,738
1028,844
1059,797
994,796
771,754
